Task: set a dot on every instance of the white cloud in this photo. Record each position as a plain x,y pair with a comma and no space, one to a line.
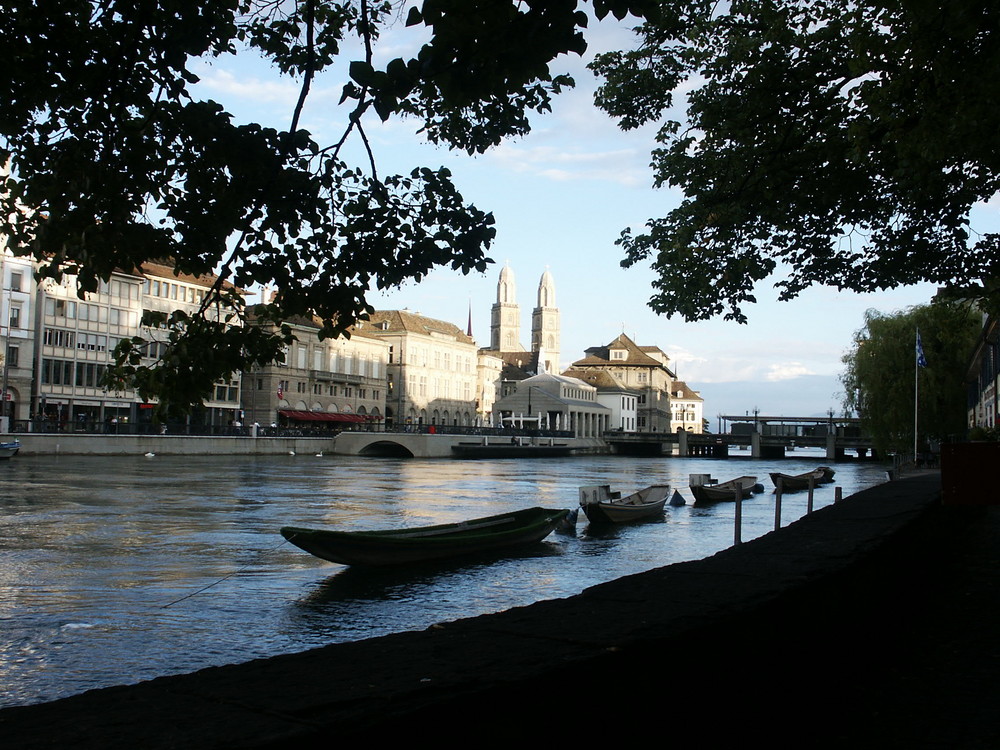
626,167
227,85
787,371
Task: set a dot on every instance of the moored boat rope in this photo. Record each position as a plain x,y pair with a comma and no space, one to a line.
227,576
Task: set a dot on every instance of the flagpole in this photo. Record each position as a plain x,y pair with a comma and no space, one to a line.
916,386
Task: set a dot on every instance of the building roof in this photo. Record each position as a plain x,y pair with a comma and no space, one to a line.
516,365
635,355
680,390
166,270
359,329
404,321
602,380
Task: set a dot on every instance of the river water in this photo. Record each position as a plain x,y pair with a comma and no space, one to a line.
117,570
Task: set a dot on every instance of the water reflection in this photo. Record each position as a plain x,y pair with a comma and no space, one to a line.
101,556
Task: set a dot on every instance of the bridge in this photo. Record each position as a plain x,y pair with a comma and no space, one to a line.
767,437
436,441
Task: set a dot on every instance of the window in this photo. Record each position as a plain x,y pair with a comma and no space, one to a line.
16,281
57,372
13,354
59,337
15,316
89,374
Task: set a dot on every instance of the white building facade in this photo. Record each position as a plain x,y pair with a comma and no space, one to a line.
433,369
554,402
17,337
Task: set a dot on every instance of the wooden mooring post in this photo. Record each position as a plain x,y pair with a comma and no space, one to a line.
778,490
738,525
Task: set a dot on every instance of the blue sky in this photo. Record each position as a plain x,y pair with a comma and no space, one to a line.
561,197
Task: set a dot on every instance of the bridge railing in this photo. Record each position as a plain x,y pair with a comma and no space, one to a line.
446,429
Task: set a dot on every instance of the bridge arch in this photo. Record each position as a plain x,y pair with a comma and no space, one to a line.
386,448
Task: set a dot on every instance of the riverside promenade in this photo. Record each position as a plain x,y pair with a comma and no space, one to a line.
871,623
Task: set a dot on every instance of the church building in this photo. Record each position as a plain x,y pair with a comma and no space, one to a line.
505,329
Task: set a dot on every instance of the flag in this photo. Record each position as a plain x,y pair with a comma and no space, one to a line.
921,360
281,393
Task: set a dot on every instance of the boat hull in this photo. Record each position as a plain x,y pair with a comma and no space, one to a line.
714,493
396,547
799,482
9,450
647,503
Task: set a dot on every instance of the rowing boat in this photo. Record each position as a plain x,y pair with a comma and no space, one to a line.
604,506
717,491
398,546
797,482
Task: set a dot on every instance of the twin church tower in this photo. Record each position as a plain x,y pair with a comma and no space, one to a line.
505,321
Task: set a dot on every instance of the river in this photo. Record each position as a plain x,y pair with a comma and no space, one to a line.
117,570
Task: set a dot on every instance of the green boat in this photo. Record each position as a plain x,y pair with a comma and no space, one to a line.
399,546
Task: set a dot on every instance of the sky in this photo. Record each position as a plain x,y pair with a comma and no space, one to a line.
561,197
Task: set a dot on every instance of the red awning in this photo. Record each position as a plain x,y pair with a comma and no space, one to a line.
321,416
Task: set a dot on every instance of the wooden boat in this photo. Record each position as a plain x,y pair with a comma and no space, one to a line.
8,450
798,482
718,491
601,505
398,546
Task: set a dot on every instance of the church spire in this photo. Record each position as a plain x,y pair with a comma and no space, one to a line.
505,319
545,325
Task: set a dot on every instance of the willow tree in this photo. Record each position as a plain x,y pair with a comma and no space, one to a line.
884,383
115,160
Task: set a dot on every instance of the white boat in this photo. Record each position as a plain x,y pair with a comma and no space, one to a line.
8,450
710,491
601,505
797,482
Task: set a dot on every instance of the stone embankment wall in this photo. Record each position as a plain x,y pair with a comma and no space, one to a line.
166,445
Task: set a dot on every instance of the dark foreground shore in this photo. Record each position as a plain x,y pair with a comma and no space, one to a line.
872,623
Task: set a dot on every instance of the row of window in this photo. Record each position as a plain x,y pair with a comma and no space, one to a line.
228,391
91,342
174,291
440,387
71,373
88,311
319,389
345,363
443,360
